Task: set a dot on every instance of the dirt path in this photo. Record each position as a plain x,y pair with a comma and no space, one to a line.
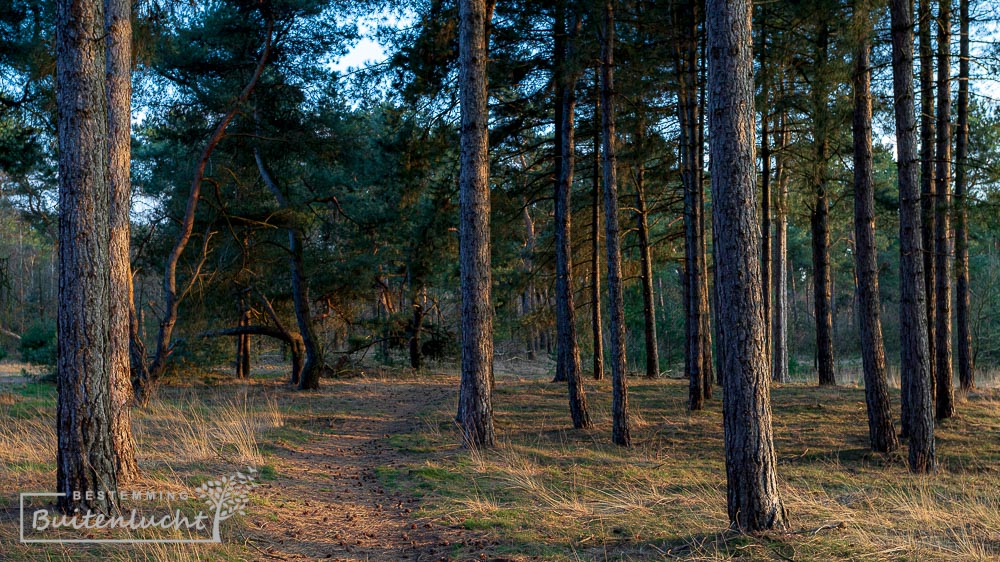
327,502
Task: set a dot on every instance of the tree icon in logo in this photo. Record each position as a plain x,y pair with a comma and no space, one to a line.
227,496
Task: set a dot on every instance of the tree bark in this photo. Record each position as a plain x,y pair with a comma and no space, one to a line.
927,190
118,34
765,194
707,364
568,349
945,388
912,314
595,245
752,485
86,458
620,433
563,353
646,277
475,405
820,219
694,273
779,326
966,369
881,434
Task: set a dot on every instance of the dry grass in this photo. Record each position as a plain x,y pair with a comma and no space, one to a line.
556,493
183,438
551,492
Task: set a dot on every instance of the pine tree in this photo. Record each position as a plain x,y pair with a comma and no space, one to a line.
754,503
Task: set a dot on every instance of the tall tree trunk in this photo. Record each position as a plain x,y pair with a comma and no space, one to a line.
620,433
694,274
752,484
568,349
707,365
118,33
765,193
475,404
648,304
779,326
912,315
820,219
820,226
528,298
927,190
881,434
945,388
966,370
595,244
86,458
558,154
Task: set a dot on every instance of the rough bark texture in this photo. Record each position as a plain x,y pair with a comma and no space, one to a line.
881,434
912,315
966,370
595,250
475,405
646,277
568,349
944,393
779,325
620,433
694,273
927,188
752,484
86,451
118,30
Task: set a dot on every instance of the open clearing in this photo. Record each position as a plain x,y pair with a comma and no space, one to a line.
369,469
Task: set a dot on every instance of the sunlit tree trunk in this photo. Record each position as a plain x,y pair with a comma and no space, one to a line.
595,244
86,457
118,36
779,326
475,403
882,435
754,503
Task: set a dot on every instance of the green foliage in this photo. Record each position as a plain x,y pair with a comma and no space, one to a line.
38,344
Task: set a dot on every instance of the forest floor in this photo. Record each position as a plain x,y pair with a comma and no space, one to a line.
369,469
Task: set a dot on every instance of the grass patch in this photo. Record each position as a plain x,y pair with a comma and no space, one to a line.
554,492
